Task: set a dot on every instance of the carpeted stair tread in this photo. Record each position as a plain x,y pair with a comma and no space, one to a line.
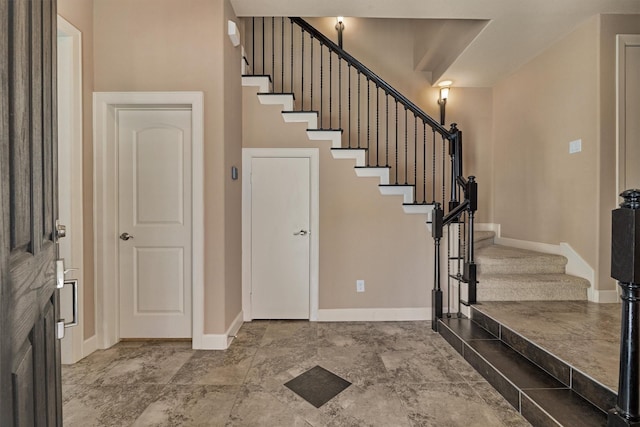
497,259
532,287
482,239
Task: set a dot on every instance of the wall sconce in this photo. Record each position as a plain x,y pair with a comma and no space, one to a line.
340,28
445,86
233,32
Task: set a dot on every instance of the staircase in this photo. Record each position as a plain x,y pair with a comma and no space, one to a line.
513,274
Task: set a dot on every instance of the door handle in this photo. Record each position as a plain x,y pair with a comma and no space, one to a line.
126,236
301,233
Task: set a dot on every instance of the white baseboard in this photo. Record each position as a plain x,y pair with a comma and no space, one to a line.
609,296
89,345
373,314
221,341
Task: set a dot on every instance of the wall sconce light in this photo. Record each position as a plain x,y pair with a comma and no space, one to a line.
340,28
445,86
233,32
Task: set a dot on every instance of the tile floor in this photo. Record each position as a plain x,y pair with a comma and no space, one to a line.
403,374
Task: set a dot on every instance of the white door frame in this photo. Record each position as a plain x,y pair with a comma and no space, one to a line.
73,346
622,41
313,155
105,204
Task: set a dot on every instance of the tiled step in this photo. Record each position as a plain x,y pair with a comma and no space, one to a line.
496,259
543,388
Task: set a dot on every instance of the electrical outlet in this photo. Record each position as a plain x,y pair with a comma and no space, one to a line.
359,285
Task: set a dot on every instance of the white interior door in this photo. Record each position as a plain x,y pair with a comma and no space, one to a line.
280,247
154,218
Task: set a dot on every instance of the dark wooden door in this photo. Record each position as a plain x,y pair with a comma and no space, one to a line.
30,391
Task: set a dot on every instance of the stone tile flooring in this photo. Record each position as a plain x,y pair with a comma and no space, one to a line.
403,374
584,334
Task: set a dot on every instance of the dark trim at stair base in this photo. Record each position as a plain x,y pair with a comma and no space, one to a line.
556,367
449,336
518,369
505,387
535,414
466,329
596,393
258,75
561,405
485,321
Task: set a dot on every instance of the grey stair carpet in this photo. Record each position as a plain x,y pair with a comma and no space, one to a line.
512,274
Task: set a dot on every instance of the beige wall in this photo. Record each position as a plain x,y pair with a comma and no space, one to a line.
541,192
363,235
169,45
80,14
609,26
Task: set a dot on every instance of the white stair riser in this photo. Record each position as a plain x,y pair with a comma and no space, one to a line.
334,136
382,173
357,155
418,209
263,83
285,100
405,191
310,118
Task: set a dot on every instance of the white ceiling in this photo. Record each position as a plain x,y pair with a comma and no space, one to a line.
517,30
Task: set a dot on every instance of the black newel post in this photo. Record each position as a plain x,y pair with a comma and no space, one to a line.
437,226
625,267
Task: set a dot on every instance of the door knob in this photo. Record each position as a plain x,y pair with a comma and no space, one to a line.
61,230
301,233
126,236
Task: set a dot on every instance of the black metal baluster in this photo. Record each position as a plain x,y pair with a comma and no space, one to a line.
444,171
302,71
396,168
330,89
291,77
368,121
339,92
253,46
424,163
282,58
321,81
358,108
273,47
263,49
433,166
349,103
377,125
406,157
311,66
386,113
415,156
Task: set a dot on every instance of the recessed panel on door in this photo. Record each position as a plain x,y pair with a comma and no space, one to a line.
159,176
159,281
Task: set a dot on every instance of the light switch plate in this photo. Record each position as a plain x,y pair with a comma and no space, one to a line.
575,146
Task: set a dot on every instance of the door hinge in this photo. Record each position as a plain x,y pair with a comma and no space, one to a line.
60,329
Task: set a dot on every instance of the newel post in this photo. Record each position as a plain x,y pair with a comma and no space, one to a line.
437,226
625,267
